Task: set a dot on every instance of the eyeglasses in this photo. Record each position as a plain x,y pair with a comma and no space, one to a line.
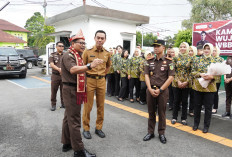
60,45
82,43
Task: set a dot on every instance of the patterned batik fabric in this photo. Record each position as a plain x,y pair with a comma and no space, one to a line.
124,64
134,65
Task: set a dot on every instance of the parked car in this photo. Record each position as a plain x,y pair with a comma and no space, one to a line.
29,56
42,61
11,63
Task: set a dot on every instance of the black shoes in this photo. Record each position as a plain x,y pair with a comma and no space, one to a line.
83,153
226,114
163,139
100,133
170,108
53,108
142,103
87,134
195,128
173,121
184,122
205,130
148,137
66,147
62,106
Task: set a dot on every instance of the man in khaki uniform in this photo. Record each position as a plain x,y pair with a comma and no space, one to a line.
54,60
96,83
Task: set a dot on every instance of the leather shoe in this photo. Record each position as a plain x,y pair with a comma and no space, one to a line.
142,103
148,137
53,108
87,134
66,147
62,106
100,133
205,130
83,153
195,128
226,114
163,139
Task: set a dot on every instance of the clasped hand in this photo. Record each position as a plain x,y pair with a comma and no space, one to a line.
96,62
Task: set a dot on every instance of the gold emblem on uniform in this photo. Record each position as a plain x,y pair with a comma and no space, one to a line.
171,66
164,62
151,73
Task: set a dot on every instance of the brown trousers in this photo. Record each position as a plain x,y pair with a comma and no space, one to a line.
100,87
56,82
228,88
72,120
153,103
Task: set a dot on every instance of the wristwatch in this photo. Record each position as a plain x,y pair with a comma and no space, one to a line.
89,66
161,90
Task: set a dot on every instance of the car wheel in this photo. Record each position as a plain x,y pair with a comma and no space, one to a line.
29,65
23,75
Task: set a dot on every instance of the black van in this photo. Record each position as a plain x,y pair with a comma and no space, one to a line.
29,56
11,63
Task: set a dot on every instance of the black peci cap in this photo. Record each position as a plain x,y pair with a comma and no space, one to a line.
158,42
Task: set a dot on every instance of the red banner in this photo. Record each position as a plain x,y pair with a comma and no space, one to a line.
217,33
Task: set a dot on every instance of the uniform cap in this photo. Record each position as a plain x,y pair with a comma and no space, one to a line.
79,35
158,42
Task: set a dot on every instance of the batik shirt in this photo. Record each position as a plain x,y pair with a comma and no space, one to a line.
116,61
200,66
182,65
141,70
218,60
123,67
133,70
111,70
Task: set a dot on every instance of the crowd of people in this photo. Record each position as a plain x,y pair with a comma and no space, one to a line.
185,92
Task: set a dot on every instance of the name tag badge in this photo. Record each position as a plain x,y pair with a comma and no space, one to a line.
92,56
164,65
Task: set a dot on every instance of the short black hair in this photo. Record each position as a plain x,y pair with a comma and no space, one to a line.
100,31
59,42
123,52
203,32
118,47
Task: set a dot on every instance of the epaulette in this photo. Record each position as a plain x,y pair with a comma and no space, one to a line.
105,49
91,48
71,55
169,58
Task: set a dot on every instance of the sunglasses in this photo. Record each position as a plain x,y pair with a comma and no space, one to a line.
60,45
82,43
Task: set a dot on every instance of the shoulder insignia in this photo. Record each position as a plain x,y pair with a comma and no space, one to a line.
105,49
169,58
71,55
90,48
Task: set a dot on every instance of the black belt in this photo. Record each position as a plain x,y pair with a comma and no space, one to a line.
56,73
95,77
155,87
70,84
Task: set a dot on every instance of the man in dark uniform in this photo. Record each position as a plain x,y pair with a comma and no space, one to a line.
202,41
56,82
159,74
96,84
74,94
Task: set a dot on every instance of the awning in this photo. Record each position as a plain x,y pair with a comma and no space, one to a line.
61,33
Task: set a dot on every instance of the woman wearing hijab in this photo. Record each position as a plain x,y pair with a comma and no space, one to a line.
216,56
192,53
203,96
181,82
133,75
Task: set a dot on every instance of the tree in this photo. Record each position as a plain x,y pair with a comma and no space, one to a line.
169,41
38,36
183,36
208,10
148,38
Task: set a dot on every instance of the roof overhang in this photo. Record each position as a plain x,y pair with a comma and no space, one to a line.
61,33
100,12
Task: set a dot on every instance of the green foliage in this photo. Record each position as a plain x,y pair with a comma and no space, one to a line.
169,41
183,36
37,37
148,39
208,10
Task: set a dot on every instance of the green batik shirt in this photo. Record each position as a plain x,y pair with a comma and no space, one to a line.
133,70
218,60
200,66
111,70
182,65
116,61
141,70
123,66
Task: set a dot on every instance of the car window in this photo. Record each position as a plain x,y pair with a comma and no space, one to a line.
25,53
8,52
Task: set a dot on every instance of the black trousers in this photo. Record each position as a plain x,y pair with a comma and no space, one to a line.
134,82
171,96
143,91
124,90
206,99
216,98
117,83
228,88
180,95
191,100
110,83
